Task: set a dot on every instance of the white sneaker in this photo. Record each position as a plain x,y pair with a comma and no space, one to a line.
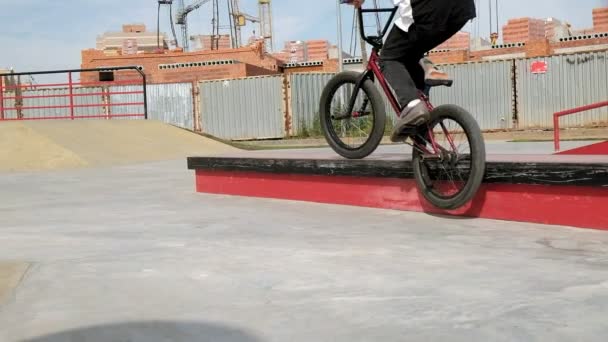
416,113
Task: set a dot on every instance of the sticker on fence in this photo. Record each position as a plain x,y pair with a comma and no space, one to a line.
539,67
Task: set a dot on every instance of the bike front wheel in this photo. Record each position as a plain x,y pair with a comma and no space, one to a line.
357,133
449,158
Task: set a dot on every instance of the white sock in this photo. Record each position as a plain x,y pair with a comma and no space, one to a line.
413,103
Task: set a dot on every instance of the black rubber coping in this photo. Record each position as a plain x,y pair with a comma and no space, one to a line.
537,170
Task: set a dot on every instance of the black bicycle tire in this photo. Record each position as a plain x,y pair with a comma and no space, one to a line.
478,156
379,120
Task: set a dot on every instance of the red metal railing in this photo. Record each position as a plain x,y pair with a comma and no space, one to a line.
100,93
557,115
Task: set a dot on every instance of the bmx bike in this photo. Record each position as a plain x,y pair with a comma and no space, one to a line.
448,153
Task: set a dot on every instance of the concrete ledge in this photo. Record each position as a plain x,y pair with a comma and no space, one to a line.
547,189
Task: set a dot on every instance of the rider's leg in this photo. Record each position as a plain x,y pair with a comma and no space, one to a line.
401,66
432,75
396,48
406,49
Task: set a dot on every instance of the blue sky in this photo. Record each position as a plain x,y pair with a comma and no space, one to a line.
49,34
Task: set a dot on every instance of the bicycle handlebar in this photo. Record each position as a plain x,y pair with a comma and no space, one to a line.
372,40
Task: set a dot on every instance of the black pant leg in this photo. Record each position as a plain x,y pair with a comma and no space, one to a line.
395,68
402,52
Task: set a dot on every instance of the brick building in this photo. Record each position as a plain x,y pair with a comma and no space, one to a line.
530,38
304,51
173,66
318,50
522,30
133,38
282,56
532,48
600,20
206,42
460,41
556,29
297,51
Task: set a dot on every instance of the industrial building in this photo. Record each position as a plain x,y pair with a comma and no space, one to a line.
134,38
208,42
528,37
218,54
460,41
179,66
600,19
521,30
298,51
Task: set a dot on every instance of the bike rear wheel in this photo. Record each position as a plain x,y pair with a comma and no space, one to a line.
449,166
357,134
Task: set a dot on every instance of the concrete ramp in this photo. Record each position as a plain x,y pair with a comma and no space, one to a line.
32,146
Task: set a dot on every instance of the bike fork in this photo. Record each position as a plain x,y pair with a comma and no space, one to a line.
348,113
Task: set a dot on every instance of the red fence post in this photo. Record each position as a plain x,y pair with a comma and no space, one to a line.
72,95
556,131
1,97
71,85
557,115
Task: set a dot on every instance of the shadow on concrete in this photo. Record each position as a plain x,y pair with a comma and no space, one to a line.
152,331
470,211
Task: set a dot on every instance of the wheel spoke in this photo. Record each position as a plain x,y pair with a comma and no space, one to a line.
352,132
447,176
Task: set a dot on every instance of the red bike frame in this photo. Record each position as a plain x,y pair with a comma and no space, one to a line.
373,72
374,68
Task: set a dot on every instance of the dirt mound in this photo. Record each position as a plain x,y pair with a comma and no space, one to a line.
30,146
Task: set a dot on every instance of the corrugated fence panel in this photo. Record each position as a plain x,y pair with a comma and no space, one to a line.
484,89
570,81
306,90
87,100
46,102
123,104
9,103
242,109
59,97
172,104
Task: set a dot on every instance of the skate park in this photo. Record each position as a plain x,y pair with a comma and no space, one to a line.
213,210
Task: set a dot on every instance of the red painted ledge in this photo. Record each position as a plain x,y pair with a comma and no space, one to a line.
600,149
575,206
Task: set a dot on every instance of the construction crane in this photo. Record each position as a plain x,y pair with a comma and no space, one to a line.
239,19
494,35
266,29
181,18
264,20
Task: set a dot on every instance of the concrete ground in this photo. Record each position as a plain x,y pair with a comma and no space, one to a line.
131,253
531,135
492,146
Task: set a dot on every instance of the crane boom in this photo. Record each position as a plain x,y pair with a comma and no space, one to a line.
181,17
240,18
